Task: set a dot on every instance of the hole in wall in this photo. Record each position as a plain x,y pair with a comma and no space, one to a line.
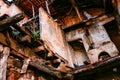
80,57
103,56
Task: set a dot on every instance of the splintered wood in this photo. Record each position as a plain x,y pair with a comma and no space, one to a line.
4,53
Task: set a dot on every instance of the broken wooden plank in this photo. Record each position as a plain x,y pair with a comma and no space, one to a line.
37,63
51,71
106,20
3,62
22,29
17,27
40,65
4,24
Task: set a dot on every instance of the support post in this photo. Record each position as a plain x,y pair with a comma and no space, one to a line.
3,61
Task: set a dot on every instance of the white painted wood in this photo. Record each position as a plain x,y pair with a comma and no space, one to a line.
25,65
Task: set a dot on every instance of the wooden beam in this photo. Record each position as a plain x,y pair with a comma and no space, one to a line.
38,63
39,48
4,16
17,27
4,24
96,67
76,9
3,62
22,29
51,71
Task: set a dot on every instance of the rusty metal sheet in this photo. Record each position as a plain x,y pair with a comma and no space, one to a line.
53,37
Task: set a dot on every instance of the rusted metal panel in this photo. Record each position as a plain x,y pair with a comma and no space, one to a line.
53,37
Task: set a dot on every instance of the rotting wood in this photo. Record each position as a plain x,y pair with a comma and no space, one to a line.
37,63
17,50
39,48
4,16
25,66
104,21
96,67
4,24
26,38
26,51
40,65
3,62
62,67
20,16
22,29
3,39
51,71
20,51
14,52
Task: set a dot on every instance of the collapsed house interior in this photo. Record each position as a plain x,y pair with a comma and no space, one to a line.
59,39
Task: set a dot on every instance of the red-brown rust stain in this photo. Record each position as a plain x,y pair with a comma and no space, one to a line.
74,19
11,77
